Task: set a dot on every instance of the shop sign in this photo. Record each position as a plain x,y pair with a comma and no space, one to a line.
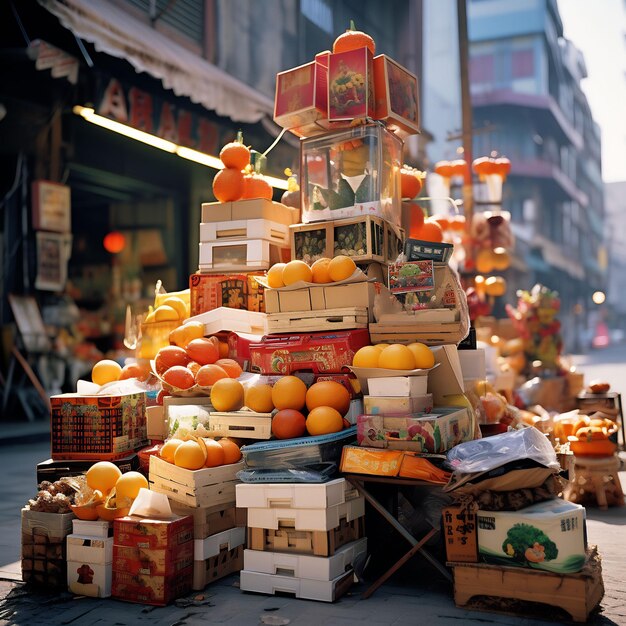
146,112
53,253
51,206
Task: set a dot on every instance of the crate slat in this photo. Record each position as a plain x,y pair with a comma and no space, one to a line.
310,321
243,425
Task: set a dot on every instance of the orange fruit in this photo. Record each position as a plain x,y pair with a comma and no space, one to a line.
319,270
227,395
429,231
424,357
396,356
168,449
179,376
367,356
288,423
328,393
295,271
341,267
484,261
224,350
178,304
194,367
442,220
232,453
259,399
209,374
106,371
230,366
134,370
323,420
214,453
102,476
190,454
183,334
168,356
275,275
203,350
129,484
228,185
289,392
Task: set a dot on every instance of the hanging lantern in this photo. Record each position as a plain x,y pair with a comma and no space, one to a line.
114,242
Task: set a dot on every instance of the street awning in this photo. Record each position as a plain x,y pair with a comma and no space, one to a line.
115,32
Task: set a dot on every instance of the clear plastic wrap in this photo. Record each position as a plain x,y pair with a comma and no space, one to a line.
483,455
318,473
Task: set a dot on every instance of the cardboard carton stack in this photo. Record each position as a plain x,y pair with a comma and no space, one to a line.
303,539
90,559
152,559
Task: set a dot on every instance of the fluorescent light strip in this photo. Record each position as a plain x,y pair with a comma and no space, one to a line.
208,160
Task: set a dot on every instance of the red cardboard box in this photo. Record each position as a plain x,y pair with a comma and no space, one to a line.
97,428
152,534
324,352
236,291
301,102
350,85
397,100
158,590
159,562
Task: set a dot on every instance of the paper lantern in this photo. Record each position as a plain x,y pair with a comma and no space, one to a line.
114,242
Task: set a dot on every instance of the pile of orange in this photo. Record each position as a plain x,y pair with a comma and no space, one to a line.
395,356
108,371
198,452
323,271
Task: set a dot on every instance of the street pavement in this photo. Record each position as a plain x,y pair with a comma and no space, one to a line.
417,594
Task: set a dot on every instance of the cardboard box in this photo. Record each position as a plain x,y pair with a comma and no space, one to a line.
208,520
208,547
307,519
234,291
301,102
98,529
97,427
152,534
216,567
241,255
460,534
472,364
296,496
52,470
46,527
397,405
397,386
433,432
323,298
304,565
157,590
548,535
447,378
203,487
364,374
89,579
302,588
275,232
157,562
356,460
92,550
350,85
157,425
255,208
238,321
396,92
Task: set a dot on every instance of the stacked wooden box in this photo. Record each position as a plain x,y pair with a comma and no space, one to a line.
302,538
90,558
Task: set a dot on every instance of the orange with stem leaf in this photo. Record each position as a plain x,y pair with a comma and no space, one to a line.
235,154
354,39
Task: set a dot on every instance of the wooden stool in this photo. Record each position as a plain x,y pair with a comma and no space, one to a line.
596,478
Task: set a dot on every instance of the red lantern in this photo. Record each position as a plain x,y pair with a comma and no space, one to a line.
114,242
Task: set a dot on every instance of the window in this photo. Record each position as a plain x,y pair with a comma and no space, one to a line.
522,63
482,69
319,13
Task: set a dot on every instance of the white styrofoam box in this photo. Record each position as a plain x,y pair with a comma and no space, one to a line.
245,229
304,565
473,364
92,550
308,519
558,527
204,549
89,579
97,528
235,253
302,588
397,405
397,386
292,495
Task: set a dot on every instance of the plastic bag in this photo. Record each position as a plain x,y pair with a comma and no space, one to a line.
486,454
318,473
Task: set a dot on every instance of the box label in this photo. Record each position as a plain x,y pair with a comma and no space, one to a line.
459,528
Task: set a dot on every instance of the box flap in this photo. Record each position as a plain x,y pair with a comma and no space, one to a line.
447,379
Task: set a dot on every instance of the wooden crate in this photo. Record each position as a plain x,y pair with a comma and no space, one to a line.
216,567
317,542
364,238
245,229
208,520
517,590
429,333
311,321
204,487
240,424
240,255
